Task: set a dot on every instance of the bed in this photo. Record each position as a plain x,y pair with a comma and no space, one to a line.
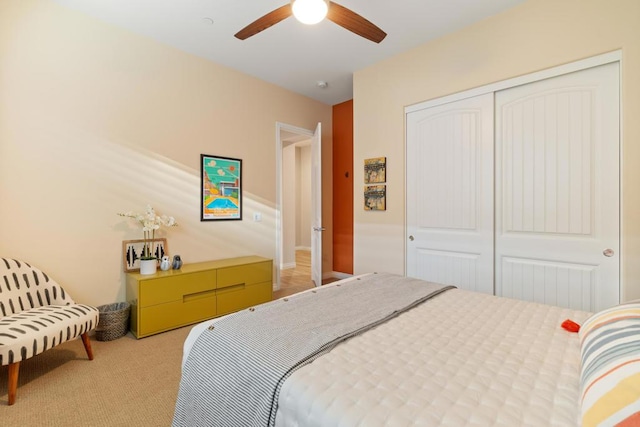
456,358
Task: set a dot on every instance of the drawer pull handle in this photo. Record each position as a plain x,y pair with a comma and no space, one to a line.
198,295
232,288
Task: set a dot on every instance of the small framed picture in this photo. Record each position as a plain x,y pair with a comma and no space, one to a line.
221,188
375,170
375,198
132,251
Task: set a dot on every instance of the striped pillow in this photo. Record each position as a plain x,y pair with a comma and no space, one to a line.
610,367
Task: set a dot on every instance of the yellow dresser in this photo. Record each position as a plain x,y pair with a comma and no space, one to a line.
199,291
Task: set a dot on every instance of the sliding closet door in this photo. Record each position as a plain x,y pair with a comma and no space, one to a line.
557,190
450,194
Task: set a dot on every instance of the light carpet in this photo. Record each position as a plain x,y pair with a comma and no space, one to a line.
129,383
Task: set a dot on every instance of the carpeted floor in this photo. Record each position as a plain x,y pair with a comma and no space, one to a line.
129,383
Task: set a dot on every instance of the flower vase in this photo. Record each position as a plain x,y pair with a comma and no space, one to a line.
148,266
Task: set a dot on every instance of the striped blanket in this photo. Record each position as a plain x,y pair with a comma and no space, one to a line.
234,371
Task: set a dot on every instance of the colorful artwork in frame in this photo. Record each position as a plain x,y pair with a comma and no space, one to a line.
375,170
375,198
132,250
221,188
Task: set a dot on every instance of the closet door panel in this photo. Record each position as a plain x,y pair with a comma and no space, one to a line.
448,267
557,189
546,282
450,194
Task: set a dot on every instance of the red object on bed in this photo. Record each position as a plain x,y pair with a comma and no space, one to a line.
571,326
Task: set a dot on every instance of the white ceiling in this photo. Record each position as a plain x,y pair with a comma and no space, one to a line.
290,54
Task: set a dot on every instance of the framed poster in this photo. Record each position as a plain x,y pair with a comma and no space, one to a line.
221,188
132,251
375,198
375,170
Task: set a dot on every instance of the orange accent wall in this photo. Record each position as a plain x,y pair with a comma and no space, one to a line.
343,187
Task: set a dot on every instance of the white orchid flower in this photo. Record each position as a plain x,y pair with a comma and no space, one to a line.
150,223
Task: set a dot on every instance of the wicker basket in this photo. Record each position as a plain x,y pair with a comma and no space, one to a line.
114,321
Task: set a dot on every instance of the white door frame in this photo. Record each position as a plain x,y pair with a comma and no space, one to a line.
280,128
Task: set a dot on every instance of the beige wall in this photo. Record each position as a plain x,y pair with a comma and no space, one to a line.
95,120
536,35
289,206
303,210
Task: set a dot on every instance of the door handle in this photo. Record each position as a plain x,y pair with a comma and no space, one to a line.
608,253
319,228
411,238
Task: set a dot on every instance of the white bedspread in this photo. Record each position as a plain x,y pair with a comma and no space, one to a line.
460,359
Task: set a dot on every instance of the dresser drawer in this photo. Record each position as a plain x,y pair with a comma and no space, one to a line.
248,274
234,298
162,317
160,290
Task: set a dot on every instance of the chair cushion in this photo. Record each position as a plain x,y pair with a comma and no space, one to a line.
33,331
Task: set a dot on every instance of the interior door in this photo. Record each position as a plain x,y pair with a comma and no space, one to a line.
450,194
316,206
557,192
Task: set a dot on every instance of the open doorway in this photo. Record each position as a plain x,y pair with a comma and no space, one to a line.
296,214
298,201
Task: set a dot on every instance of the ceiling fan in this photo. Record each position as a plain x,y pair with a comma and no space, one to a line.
312,12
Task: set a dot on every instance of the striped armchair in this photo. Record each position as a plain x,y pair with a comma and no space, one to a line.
36,314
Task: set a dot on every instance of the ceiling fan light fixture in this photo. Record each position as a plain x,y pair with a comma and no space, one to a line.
309,11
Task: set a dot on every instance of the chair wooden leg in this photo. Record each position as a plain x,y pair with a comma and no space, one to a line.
87,345
14,368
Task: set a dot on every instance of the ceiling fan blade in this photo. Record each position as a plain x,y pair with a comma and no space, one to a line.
355,23
265,22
